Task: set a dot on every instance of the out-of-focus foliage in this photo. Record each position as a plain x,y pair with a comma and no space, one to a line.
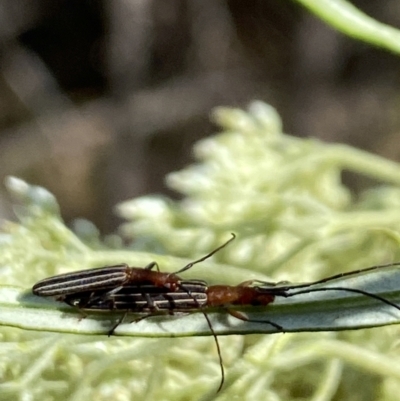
346,18
100,100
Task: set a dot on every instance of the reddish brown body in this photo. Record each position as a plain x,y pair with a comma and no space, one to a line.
159,279
242,294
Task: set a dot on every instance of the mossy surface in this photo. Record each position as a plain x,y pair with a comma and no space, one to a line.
294,220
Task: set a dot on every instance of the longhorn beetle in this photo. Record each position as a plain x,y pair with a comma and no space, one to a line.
141,290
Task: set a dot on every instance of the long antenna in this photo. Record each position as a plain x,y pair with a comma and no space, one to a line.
191,264
221,363
289,286
356,290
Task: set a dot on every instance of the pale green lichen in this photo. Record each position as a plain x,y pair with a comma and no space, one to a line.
282,195
294,220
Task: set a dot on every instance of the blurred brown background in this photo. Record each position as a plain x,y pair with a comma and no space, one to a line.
100,99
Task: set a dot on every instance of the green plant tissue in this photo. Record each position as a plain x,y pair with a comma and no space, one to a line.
294,219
